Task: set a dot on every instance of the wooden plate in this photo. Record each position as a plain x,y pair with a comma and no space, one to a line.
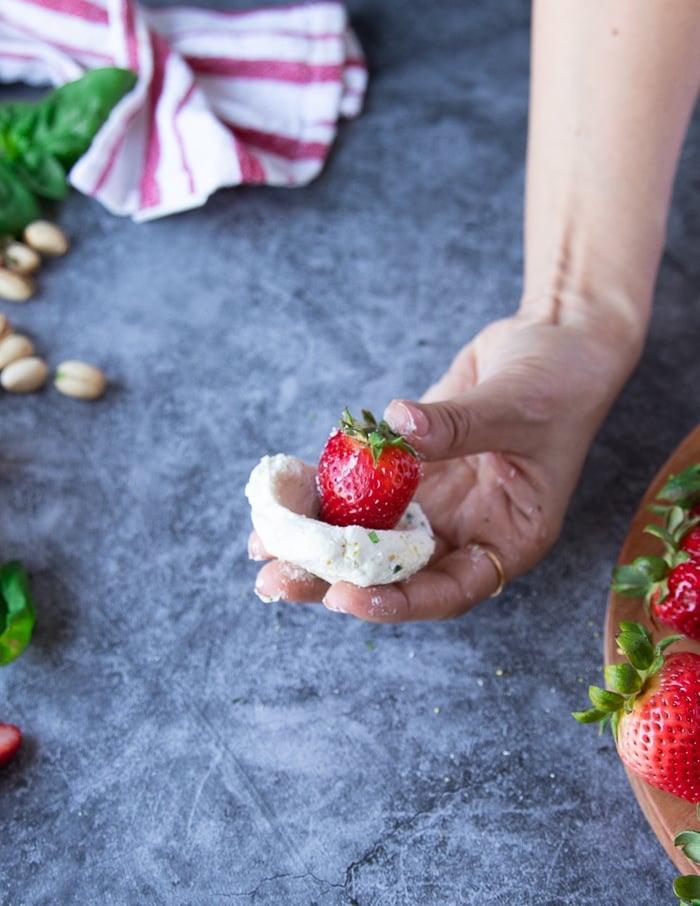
667,814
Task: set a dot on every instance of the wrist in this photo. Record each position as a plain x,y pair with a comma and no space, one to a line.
591,291
611,328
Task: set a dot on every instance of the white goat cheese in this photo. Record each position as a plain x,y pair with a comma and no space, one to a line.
284,509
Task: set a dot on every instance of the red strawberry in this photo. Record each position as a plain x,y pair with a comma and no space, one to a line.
690,542
670,584
10,739
367,474
653,707
679,608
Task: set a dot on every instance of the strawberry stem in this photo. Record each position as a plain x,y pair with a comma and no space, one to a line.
687,887
625,681
376,435
682,489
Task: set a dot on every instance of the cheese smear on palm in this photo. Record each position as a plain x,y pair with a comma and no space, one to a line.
284,510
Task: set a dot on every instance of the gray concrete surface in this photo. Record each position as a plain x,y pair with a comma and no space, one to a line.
187,744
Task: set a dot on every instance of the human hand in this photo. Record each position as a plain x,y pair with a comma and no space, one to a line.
504,435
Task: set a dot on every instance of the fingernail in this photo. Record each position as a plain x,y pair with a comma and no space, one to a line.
406,419
265,596
255,549
330,603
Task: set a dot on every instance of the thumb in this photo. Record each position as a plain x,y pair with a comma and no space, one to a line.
484,420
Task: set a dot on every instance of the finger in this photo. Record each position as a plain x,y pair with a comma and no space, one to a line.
256,549
282,581
488,418
448,589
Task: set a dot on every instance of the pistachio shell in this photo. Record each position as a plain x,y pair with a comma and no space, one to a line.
6,327
15,287
46,238
79,379
14,346
24,375
21,258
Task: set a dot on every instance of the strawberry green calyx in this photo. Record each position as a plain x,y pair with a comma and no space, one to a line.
646,576
628,680
375,435
687,887
367,474
681,490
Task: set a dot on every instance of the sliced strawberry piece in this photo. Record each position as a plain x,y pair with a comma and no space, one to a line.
10,740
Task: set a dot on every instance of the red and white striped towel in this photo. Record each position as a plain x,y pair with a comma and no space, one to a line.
222,98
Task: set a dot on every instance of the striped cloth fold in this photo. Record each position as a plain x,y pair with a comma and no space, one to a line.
223,98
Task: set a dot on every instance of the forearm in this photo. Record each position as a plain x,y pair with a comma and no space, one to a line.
613,84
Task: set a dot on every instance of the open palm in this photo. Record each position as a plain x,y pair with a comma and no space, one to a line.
504,434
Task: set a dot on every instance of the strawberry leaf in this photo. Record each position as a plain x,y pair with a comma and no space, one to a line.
635,579
687,889
589,716
682,488
637,647
659,531
604,700
623,678
689,841
676,519
627,680
377,435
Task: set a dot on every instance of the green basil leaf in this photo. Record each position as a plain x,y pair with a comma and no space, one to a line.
17,611
70,116
17,124
43,174
18,204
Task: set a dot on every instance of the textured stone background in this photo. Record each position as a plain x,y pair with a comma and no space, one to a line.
189,745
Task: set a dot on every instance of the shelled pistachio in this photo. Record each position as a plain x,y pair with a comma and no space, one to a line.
46,238
6,327
24,375
80,380
15,287
13,347
20,258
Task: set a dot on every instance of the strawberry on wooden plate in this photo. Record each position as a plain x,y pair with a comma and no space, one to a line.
669,583
652,704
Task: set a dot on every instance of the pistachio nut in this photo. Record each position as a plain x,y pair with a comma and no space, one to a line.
46,238
79,379
14,346
24,375
6,327
21,258
15,287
